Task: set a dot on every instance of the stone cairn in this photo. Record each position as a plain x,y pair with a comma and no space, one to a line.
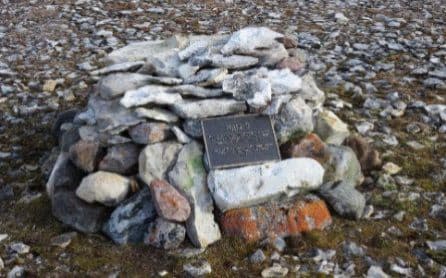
132,163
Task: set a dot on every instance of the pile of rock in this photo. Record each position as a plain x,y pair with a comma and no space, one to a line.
132,163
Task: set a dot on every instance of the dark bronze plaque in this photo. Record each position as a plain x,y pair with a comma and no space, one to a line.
239,140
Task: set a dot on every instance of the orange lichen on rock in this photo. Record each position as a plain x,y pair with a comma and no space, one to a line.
274,219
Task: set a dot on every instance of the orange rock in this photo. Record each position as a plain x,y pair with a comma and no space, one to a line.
276,219
311,146
169,203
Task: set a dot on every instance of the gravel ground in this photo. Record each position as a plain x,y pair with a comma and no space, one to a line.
382,64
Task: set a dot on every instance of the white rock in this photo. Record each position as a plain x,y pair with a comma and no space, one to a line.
310,92
181,136
200,44
275,271
248,39
196,91
3,237
208,77
330,128
376,272
277,102
283,81
158,114
16,271
221,61
252,185
294,119
189,176
149,94
208,108
103,187
122,67
438,245
2,264
156,159
116,84
139,51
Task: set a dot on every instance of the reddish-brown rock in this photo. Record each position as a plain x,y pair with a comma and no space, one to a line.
292,63
85,155
288,42
169,203
274,219
311,146
368,157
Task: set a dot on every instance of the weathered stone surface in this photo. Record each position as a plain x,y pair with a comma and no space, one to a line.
369,158
208,108
68,138
221,61
158,114
343,166
117,84
121,159
180,135
251,87
63,118
156,159
85,155
139,51
310,146
208,77
129,221
149,94
108,115
193,128
284,81
64,175
189,176
149,133
199,44
169,203
199,269
196,91
103,187
269,57
74,212
330,128
344,198
163,64
249,39
121,67
275,271
63,240
276,104
252,185
165,234
295,119
276,219
310,92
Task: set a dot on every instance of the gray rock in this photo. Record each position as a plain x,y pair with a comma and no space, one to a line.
64,175
196,91
343,165
251,185
344,199
257,257
250,87
228,62
330,128
16,272
199,269
269,57
114,85
193,128
165,234
149,133
208,108
276,104
77,214
63,240
189,176
121,67
149,94
68,138
199,44
163,64
208,77
103,187
129,221
438,245
139,51
120,159
352,249
295,120
156,160
19,248
249,39
110,115
310,92
180,135
157,114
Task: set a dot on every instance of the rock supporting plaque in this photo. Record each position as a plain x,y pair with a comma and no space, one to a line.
239,140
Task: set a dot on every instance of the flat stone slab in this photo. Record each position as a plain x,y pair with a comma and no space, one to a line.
208,108
252,185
